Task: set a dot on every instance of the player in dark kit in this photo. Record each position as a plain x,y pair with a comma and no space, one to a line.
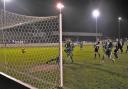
127,46
116,52
108,51
69,46
96,49
127,49
120,45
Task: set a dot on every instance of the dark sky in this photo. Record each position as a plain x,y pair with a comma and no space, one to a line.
77,13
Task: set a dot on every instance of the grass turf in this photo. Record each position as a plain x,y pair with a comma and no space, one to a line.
89,73
85,73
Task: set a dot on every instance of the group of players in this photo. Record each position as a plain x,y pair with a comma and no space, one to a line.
108,51
106,45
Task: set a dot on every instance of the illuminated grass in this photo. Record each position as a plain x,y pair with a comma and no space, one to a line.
85,73
89,73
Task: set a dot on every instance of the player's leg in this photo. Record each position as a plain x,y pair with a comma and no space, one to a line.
121,49
71,57
96,52
95,55
111,57
104,54
103,58
50,61
99,53
110,54
127,49
116,55
58,60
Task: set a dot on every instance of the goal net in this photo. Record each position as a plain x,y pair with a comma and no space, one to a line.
29,49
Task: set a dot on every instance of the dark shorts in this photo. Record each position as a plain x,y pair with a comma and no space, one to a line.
68,50
96,50
108,52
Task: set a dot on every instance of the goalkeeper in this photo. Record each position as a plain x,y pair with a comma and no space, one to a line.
69,46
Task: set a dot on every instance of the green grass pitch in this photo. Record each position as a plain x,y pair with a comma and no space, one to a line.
85,73
89,73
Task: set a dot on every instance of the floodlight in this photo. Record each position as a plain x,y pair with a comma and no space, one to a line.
119,18
60,6
96,13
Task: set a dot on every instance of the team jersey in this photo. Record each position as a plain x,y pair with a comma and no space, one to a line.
104,45
116,50
69,47
108,48
97,46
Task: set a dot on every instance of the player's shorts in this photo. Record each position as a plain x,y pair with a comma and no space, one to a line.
120,47
108,52
96,50
116,55
65,50
68,50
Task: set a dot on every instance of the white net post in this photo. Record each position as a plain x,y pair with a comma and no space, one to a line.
61,47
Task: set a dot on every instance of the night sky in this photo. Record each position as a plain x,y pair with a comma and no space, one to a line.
77,14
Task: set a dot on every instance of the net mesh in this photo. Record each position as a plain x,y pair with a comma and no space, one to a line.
29,49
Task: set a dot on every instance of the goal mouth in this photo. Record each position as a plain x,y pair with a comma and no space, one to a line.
44,68
28,50
7,81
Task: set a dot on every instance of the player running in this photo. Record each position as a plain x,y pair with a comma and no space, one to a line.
69,46
96,49
108,51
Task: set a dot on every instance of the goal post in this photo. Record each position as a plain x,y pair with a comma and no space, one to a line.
31,49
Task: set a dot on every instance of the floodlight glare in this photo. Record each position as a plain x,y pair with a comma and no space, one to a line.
60,6
119,18
96,13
